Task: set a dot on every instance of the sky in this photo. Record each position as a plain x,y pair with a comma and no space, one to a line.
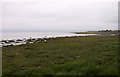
58,15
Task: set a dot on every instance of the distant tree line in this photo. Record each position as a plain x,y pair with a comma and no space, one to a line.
107,30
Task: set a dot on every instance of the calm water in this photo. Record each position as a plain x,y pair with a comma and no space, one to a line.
21,35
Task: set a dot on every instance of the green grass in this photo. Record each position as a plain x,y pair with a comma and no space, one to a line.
90,55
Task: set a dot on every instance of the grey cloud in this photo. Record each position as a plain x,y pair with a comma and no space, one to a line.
59,15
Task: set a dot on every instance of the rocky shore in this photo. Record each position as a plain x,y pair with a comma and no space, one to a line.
14,42
6,43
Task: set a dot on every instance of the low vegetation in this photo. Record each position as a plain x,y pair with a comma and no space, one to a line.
88,55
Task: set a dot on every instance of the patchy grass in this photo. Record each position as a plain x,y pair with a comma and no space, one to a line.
89,55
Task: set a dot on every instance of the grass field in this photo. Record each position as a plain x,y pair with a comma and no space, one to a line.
89,55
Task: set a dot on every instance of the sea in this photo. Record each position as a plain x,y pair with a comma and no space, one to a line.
27,35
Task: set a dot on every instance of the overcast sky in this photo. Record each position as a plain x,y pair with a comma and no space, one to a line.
59,15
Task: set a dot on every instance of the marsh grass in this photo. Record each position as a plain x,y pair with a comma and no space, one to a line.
89,55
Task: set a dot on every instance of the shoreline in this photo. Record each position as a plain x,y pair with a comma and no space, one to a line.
15,42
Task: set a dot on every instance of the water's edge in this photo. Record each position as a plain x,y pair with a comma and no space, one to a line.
13,39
